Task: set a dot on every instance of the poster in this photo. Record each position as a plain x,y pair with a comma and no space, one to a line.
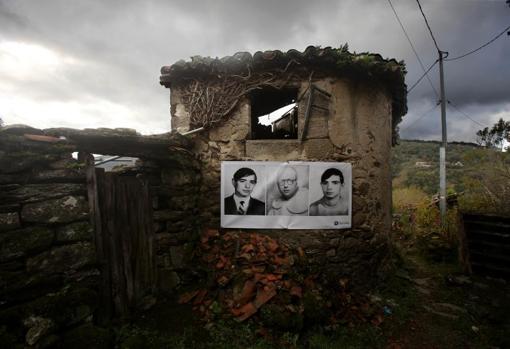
286,195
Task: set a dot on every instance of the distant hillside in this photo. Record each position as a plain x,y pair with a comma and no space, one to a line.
416,163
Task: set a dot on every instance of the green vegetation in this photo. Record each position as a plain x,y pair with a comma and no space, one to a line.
416,164
481,176
443,313
487,183
494,137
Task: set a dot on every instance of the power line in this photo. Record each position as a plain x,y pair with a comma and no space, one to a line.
428,26
420,117
414,50
479,48
421,77
463,113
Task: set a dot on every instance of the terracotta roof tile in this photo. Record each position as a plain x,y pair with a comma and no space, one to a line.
326,61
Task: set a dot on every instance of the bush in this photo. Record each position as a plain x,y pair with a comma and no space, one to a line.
418,217
487,187
404,198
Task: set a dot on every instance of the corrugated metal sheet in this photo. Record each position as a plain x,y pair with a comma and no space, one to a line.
488,242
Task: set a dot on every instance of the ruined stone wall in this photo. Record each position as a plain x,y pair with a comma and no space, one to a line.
48,272
50,280
357,130
174,191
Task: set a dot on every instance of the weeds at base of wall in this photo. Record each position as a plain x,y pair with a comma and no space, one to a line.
232,335
416,285
417,224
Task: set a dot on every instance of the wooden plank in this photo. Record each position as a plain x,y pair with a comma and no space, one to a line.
125,239
115,247
144,264
488,244
320,90
105,312
318,128
307,113
488,227
464,256
148,238
123,233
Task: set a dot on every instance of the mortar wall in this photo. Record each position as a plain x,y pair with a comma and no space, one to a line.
357,130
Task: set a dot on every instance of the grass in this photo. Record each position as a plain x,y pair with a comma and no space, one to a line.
408,326
418,283
348,338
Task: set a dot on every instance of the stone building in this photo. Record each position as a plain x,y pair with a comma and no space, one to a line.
348,108
80,247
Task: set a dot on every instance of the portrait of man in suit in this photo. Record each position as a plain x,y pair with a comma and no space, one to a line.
241,202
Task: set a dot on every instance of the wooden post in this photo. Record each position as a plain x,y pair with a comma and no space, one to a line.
464,259
105,311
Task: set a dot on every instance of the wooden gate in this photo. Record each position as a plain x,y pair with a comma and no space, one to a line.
487,244
121,211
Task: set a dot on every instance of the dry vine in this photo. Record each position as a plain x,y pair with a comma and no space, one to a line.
211,101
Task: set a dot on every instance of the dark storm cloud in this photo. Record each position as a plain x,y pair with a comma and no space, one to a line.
10,19
481,78
123,44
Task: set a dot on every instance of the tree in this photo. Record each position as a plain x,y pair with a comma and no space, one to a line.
494,137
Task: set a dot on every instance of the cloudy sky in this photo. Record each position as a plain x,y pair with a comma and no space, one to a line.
96,63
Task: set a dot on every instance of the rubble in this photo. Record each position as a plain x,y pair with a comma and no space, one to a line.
253,276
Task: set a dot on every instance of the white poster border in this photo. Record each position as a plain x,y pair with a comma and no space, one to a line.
264,178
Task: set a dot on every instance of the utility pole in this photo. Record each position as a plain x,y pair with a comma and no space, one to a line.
442,149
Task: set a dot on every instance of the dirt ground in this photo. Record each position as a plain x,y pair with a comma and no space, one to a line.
438,307
426,304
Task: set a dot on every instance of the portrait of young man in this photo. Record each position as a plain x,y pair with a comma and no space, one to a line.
241,202
291,199
332,203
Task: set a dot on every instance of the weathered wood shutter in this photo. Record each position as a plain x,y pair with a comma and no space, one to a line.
317,99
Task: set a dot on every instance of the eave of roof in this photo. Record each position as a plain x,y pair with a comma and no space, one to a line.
328,61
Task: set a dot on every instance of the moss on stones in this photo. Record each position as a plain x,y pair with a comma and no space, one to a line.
63,259
74,232
9,220
87,336
62,210
19,243
69,306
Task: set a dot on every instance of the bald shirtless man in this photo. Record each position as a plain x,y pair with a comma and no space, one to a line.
293,200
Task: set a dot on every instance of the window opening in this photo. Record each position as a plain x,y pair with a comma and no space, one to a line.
113,163
274,113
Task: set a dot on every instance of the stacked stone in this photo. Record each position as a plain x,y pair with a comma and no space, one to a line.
356,129
48,271
174,192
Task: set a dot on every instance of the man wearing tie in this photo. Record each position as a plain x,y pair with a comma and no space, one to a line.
241,202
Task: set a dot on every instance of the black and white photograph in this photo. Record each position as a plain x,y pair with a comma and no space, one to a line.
286,195
246,194
330,189
287,192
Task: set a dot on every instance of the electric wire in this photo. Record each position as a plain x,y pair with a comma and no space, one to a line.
465,115
428,26
421,77
412,46
419,118
479,48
